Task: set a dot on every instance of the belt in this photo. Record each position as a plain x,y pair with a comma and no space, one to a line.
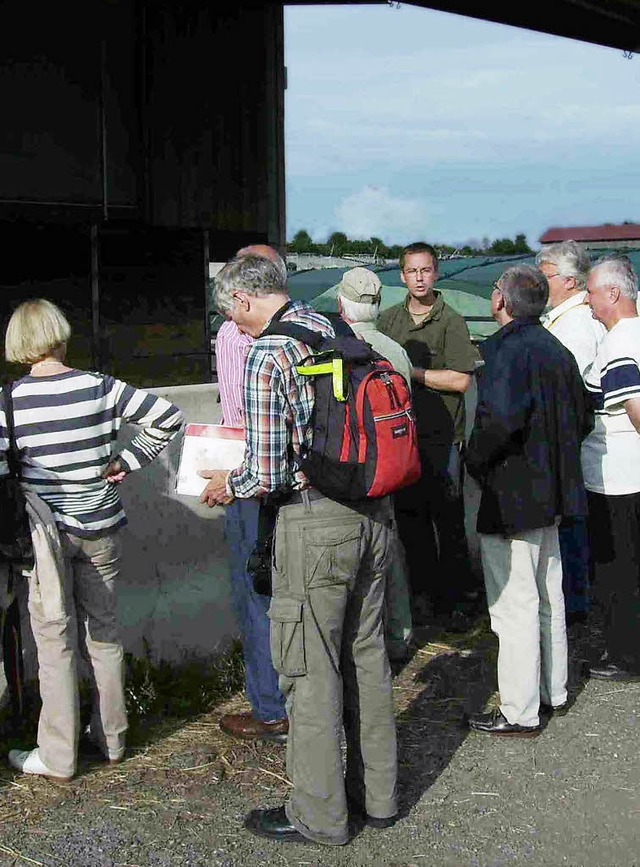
365,507
297,496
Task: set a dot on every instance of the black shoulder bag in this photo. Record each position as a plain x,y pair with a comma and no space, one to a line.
15,533
260,559
16,550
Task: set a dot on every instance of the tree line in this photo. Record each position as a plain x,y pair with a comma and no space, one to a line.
337,244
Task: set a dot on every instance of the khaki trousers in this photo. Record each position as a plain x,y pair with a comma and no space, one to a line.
89,630
523,577
327,644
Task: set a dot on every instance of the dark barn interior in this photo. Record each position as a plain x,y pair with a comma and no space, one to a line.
142,139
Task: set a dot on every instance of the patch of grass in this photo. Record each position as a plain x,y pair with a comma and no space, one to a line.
20,733
193,687
154,692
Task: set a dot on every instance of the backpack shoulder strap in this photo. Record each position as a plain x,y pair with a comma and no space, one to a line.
314,339
340,327
12,452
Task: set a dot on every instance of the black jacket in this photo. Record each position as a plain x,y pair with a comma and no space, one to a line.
532,416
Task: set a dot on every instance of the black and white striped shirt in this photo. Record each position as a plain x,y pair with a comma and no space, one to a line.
611,452
66,426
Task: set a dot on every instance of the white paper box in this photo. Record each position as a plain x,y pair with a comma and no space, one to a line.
207,447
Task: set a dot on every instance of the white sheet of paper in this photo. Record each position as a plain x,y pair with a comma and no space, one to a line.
207,447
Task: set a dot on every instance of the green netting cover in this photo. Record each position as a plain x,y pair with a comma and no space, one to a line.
466,285
475,309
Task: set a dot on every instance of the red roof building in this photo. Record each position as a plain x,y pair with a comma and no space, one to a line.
625,236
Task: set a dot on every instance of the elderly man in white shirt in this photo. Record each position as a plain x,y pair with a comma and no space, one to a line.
611,466
566,265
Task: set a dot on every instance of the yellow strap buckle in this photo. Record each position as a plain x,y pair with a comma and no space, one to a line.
335,367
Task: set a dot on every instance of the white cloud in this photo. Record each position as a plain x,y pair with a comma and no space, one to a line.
423,88
373,211
484,129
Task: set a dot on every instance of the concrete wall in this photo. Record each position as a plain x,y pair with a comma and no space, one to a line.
619,245
305,261
174,594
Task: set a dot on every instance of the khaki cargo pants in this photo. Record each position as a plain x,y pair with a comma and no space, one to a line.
89,631
327,645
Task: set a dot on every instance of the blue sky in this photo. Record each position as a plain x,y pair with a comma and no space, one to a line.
406,123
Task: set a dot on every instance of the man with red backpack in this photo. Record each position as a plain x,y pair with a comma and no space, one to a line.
328,575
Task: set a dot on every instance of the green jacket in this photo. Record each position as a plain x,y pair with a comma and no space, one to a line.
440,342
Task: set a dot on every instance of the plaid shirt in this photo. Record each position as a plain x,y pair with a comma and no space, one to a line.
277,409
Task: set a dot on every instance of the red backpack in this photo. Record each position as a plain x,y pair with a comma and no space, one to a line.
364,441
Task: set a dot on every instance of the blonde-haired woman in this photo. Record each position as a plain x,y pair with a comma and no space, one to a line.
66,423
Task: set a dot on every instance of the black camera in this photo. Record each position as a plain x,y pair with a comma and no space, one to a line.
259,566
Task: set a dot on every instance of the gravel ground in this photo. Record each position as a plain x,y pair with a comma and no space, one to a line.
571,796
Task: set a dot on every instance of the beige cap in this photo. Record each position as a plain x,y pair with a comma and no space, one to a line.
360,284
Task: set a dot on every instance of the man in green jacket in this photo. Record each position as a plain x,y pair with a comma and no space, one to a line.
437,341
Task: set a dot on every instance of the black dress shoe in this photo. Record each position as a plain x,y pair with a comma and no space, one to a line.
553,710
361,817
575,617
274,825
399,651
613,671
494,723
458,621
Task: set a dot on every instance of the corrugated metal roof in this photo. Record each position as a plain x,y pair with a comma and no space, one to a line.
606,232
604,22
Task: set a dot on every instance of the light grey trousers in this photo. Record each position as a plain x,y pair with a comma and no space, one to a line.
523,577
397,614
89,630
327,644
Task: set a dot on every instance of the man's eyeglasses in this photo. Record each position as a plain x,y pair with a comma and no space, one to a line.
496,285
413,272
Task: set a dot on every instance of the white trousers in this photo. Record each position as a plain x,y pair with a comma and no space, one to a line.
523,578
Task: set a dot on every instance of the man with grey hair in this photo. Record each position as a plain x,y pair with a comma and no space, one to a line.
566,265
611,462
267,720
266,252
524,451
328,575
359,296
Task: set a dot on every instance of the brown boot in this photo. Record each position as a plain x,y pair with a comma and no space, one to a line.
247,727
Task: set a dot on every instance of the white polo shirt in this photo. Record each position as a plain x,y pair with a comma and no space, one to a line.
574,326
611,452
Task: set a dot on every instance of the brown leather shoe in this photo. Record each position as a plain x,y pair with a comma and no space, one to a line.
247,727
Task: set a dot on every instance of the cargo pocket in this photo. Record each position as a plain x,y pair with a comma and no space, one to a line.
287,637
332,555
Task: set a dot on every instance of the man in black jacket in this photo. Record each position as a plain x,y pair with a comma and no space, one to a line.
524,451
